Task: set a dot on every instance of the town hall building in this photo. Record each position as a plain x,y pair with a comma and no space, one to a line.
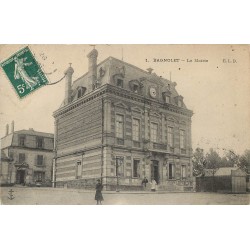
119,123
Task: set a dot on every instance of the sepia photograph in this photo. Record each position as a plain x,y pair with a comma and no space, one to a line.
124,124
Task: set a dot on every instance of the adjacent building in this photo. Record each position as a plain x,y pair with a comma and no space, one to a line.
121,123
26,157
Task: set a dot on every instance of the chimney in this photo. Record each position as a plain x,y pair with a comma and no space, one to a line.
92,75
69,72
150,70
7,129
12,127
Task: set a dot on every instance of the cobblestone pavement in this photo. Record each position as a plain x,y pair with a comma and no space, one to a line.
50,196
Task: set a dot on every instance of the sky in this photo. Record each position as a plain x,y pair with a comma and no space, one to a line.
217,91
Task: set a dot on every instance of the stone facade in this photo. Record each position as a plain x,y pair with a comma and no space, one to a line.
121,123
30,157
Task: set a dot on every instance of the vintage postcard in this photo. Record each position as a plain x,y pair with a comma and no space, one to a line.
124,124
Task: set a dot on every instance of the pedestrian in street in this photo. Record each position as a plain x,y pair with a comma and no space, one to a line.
144,182
98,193
153,185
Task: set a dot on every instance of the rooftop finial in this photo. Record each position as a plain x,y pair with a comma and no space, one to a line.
70,64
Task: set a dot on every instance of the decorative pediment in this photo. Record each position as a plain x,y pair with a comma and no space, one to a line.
172,119
120,105
135,86
136,109
166,93
117,76
183,123
155,114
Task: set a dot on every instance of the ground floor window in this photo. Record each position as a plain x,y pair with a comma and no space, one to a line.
40,160
39,176
171,171
183,172
78,169
136,166
21,158
119,166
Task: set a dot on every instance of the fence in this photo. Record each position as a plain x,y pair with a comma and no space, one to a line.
214,184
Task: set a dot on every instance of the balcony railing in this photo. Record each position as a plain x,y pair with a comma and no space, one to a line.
159,146
183,151
136,144
120,141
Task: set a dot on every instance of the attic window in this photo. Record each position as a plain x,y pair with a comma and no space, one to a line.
119,83
135,88
180,103
21,140
39,142
166,96
167,99
80,92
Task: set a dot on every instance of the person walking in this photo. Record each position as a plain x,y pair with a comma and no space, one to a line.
153,185
144,182
98,193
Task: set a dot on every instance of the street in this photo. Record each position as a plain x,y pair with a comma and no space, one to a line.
50,196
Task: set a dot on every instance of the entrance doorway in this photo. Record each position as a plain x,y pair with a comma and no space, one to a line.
155,171
20,176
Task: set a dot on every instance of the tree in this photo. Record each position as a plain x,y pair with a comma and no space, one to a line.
245,161
213,159
232,159
224,162
199,162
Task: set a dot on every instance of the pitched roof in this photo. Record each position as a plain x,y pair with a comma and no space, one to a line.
4,156
33,132
6,141
224,171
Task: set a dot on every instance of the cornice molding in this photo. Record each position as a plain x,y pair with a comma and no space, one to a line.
110,89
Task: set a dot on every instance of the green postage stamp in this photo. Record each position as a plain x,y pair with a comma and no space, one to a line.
24,72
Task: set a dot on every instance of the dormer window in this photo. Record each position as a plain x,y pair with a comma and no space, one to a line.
166,96
39,142
179,101
167,99
21,140
80,92
135,86
119,83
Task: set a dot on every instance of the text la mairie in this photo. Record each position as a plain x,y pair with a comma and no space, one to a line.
121,123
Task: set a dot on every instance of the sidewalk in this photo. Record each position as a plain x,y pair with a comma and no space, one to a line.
93,190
